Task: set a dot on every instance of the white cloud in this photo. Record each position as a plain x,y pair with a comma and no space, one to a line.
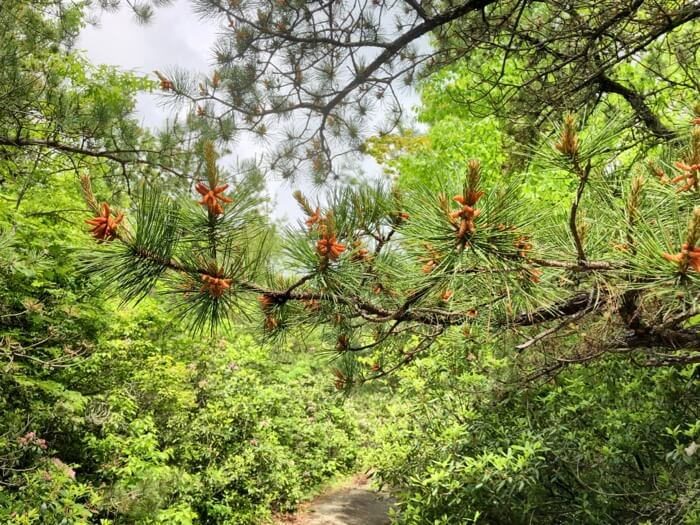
175,37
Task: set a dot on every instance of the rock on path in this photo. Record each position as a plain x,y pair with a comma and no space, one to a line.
354,504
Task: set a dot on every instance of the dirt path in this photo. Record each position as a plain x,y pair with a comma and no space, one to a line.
353,504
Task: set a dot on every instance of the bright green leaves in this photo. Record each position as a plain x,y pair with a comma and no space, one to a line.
441,153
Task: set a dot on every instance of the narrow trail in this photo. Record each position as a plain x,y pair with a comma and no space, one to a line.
356,503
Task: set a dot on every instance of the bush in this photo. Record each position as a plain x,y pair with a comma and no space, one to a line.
607,443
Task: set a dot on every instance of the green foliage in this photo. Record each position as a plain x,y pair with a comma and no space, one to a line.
466,439
443,151
113,415
61,114
604,444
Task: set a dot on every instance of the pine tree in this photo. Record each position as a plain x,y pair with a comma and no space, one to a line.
320,73
385,275
60,110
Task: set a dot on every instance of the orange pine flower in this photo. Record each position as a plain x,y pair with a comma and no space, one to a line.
534,275
213,198
266,302
695,121
674,257
105,226
214,286
470,200
314,218
329,247
446,295
312,304
658,172
695,261
360,253
429,266
467,214
271,323
523,245
165,83
399,216
692,256
689,176
473,197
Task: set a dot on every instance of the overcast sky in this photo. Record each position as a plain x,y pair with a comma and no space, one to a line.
175,37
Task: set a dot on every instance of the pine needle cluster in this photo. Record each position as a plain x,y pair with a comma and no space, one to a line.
383,275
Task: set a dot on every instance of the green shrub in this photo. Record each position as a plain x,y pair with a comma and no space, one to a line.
603,444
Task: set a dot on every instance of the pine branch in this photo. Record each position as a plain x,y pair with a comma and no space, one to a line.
572,306
364,266
111,155
550,331
663,338
573,225
638,104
